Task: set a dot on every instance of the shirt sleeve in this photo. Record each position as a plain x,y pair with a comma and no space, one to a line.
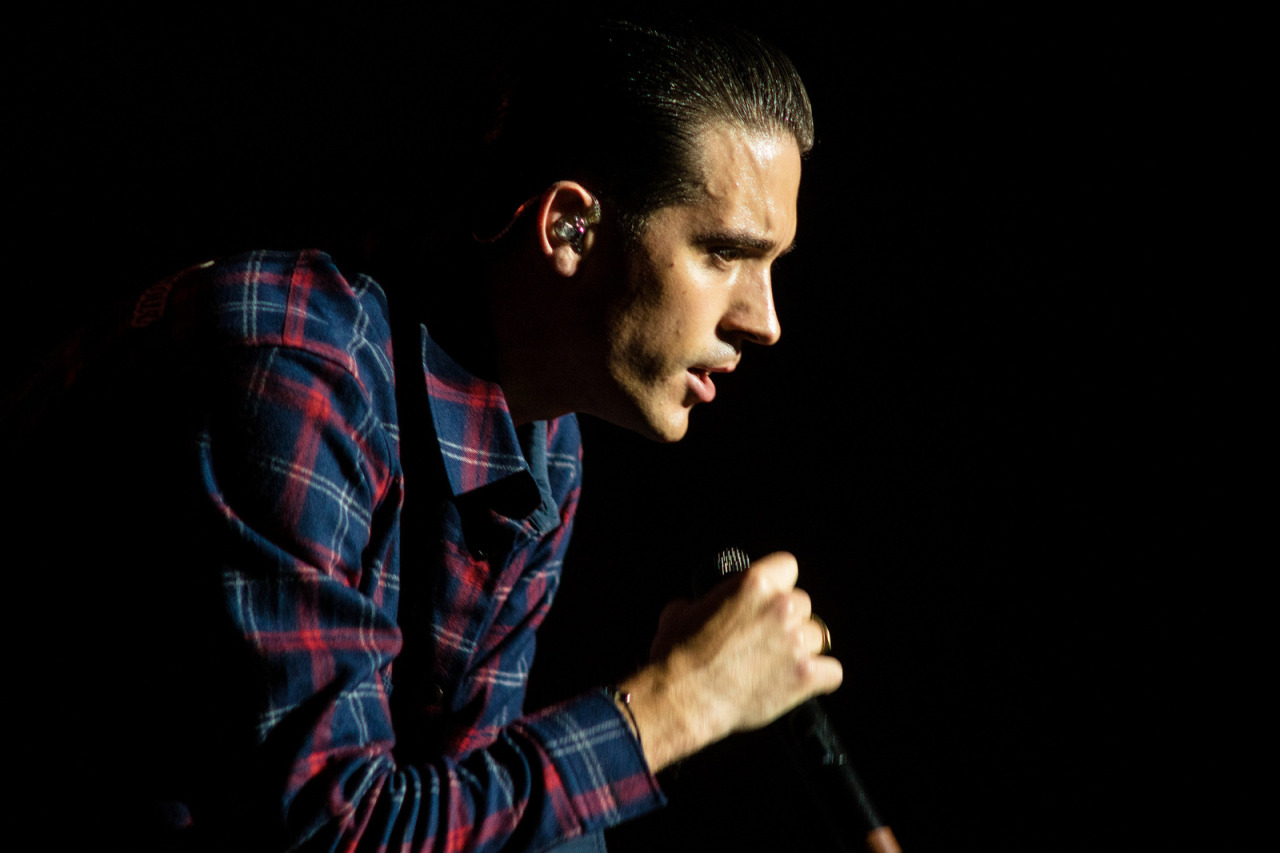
298,475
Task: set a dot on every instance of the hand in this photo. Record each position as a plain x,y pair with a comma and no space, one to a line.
733,660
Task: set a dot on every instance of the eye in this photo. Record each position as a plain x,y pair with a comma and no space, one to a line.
728,254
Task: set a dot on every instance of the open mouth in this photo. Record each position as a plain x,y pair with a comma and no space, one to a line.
701,384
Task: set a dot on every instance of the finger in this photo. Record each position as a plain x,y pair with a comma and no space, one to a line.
801,605
825,674
779,569
817,637
673,613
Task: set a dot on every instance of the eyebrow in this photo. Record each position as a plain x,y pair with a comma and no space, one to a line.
742,239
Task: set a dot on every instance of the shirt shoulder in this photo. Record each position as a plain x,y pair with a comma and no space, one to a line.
298,300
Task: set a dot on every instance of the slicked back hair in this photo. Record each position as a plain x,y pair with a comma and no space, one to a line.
624,114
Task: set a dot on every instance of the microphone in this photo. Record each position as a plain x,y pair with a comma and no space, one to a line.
819,753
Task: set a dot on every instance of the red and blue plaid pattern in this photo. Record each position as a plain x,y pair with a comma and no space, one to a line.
296,489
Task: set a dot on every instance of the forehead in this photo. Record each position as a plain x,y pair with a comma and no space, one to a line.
750,181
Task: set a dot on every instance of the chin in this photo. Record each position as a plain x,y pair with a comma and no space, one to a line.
672,434
670,427
667,427
661,416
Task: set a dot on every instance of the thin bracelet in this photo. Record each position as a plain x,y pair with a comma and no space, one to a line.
618,695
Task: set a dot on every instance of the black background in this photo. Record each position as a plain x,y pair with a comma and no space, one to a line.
944,436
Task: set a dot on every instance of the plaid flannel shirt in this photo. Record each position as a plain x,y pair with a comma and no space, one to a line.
295,486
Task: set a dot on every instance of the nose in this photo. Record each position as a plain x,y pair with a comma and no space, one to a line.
752,315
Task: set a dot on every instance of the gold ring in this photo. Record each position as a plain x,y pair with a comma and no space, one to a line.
826,633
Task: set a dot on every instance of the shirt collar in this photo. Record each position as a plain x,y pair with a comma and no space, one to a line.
479,443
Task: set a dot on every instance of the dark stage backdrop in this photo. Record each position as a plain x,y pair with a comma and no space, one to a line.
935,436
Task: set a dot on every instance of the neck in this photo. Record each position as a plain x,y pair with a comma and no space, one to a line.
538,326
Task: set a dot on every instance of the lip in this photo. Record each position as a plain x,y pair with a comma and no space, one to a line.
701,383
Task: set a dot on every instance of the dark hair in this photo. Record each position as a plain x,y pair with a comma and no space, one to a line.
623,116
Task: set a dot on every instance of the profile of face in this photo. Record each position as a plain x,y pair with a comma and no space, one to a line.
698,283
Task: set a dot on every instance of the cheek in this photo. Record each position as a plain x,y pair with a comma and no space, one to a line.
666,319
672,335
647,349
681,309
649,331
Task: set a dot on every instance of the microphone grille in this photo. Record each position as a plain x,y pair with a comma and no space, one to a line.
732,560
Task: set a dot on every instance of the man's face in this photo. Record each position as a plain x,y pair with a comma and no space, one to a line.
698,282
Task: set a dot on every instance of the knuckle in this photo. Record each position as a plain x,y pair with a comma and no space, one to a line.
781,564
756,583
801,644
780,605
783,558
805,670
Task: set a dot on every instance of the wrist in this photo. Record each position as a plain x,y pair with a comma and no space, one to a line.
622,698
671,722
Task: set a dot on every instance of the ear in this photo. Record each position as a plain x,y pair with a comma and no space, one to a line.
563,200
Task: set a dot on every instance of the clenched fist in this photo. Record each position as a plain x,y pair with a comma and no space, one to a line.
735,659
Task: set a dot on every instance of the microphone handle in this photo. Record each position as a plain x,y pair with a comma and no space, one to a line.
817,750
822,759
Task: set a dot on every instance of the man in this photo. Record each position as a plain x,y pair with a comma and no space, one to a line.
346,516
